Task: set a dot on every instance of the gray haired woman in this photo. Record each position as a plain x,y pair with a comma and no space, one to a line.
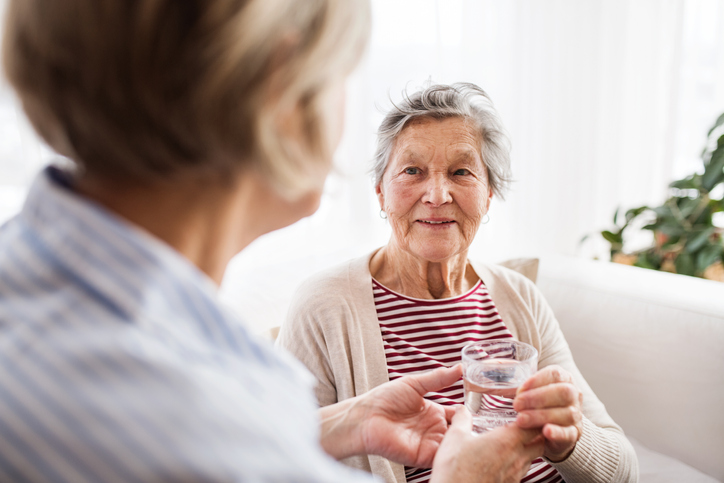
412,305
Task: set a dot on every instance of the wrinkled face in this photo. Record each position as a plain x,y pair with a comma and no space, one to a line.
435,189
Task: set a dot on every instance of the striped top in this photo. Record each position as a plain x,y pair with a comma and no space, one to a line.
118,364
420,335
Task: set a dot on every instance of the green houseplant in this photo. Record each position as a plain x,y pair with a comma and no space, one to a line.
686,240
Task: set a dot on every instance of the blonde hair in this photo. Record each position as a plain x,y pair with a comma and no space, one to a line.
152,89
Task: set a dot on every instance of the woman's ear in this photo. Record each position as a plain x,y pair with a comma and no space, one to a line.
380,196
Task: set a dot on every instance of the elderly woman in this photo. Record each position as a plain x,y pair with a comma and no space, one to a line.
413,304
192,127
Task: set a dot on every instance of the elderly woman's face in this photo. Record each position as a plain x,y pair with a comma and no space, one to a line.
435,189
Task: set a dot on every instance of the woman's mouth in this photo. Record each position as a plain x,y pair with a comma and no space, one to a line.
436,222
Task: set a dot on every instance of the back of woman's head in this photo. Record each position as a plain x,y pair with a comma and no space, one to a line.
152,89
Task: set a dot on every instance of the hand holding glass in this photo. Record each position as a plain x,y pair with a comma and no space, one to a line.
492,372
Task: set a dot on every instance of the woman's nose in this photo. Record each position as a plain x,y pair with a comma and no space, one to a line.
437,191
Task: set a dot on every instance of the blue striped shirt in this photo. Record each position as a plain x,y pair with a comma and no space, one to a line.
118,364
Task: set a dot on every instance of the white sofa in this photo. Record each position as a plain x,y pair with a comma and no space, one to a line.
651,345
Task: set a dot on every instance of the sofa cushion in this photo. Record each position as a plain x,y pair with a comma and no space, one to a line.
525,266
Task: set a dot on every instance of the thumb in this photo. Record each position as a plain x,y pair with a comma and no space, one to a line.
462,420
436,380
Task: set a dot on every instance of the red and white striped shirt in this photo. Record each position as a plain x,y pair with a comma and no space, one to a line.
420,335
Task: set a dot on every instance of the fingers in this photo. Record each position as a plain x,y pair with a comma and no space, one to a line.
560,434
548,375
537,418
462,420
528,443
531,441
535,448
560,441
449,413
503,454
435,380
553,395
524,437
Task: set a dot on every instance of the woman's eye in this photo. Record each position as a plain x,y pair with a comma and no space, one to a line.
462,172
411,171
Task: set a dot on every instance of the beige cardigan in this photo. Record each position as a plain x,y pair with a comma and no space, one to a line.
332,328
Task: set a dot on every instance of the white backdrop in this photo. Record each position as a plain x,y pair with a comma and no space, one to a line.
606,101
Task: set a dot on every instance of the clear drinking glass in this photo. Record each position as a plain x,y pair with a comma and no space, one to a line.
492,372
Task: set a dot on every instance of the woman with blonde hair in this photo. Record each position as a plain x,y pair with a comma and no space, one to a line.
193,127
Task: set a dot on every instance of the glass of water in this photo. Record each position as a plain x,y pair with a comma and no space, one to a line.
492,372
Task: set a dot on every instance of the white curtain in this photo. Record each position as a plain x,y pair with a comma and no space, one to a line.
606,101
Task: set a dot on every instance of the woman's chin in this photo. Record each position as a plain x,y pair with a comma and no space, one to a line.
437,254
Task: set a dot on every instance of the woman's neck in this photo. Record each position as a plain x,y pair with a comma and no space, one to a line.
409,275
207,226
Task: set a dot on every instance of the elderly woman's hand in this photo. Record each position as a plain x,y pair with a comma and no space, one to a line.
551,401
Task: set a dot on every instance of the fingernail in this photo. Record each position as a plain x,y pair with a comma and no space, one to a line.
523,419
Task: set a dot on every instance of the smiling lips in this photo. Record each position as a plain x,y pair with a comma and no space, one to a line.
436,222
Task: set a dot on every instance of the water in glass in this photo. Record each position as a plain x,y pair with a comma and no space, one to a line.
492,375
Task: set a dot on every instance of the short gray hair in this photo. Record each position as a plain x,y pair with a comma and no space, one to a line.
462,100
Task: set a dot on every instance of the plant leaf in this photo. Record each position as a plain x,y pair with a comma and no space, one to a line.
714,170
689,183
716,205
708,255
671,228
653,258
644,261
663,211
687,206
698,240
705,217
685,264
671,241
612,238
634,212
719,122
